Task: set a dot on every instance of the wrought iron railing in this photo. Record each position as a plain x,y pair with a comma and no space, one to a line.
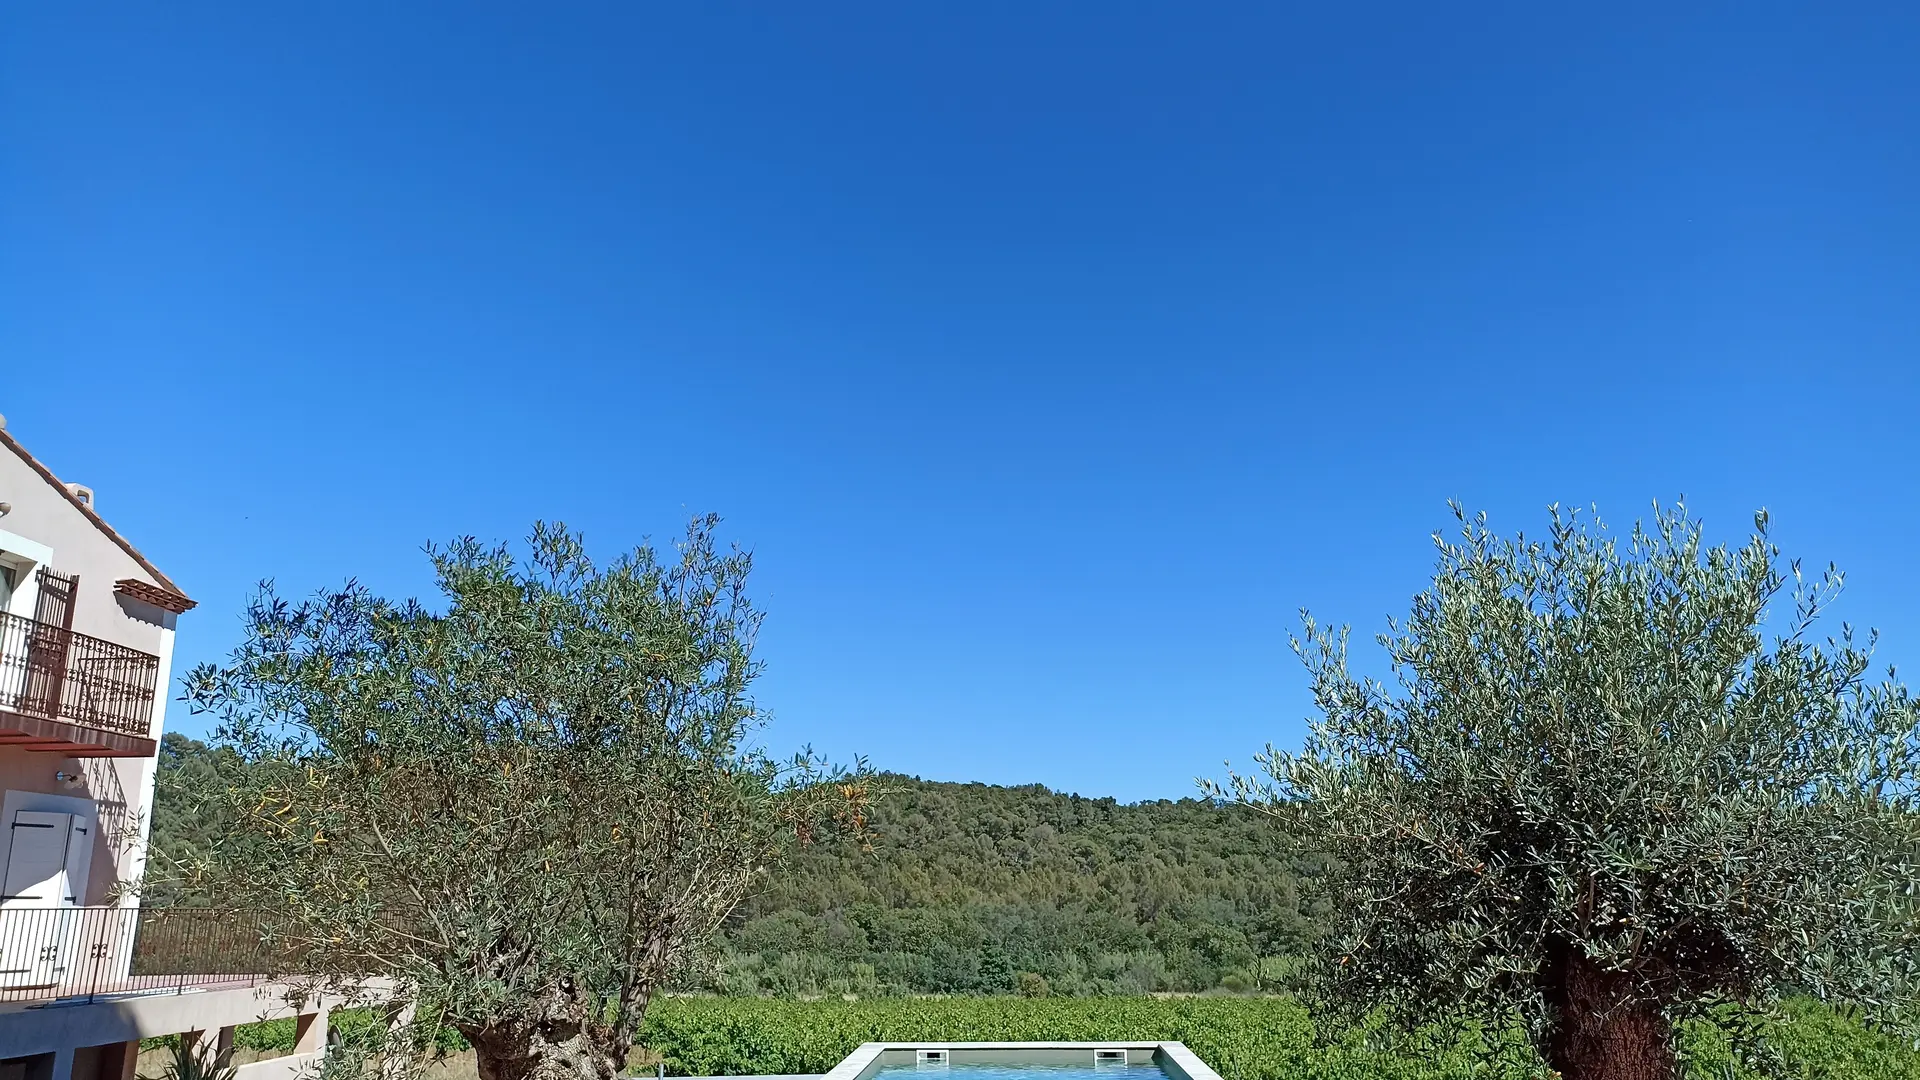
93,952
56,674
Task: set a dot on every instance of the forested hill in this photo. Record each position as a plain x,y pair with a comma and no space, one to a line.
972,888
970,885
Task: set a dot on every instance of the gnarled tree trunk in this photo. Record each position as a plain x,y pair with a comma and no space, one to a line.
1604,1030
562,1041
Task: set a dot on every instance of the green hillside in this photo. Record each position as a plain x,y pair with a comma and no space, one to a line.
972,888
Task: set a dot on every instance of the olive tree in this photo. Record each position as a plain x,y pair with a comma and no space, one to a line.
1601,797
526,805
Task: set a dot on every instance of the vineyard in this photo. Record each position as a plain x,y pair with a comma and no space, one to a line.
1242,1038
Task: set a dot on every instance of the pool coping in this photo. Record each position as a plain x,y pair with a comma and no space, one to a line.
1179,1062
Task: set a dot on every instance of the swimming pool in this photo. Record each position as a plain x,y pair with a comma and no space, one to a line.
1022,1061
1017,1070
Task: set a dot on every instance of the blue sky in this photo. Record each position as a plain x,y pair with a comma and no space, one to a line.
1049,357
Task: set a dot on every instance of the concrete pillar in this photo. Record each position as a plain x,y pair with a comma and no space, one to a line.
219,1041
120,1061
62,1064
310,1030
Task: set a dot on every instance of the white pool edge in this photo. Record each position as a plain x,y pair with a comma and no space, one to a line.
1179,1062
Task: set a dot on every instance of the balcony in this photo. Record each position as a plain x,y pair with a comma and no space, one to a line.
71,694
73,954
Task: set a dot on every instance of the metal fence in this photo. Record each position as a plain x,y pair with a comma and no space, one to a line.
56,674
91,952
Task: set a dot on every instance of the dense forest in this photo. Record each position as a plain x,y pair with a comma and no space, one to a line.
972,888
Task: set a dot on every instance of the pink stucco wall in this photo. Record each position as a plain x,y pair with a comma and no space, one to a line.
119,790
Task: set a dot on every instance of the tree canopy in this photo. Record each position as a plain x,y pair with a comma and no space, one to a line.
971,887
528,806
1601,798
967,889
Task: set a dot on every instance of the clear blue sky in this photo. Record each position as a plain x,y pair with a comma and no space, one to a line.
1049,357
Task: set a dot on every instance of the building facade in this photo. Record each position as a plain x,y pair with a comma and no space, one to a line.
86,652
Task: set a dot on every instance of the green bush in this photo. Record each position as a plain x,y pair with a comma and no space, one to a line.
1812,1041
266,1036
277,1036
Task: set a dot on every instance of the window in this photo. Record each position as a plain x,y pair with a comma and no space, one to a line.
6,587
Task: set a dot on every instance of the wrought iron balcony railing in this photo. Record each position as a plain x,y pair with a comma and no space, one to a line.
93,952
56,674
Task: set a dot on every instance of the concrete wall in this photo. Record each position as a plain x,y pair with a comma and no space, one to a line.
26,1030
285,1067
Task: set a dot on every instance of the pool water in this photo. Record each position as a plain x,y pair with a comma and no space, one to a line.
971,1071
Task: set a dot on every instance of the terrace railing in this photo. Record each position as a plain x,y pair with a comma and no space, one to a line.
56,674
94,952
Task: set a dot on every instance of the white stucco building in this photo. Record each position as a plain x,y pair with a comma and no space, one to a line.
86,648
